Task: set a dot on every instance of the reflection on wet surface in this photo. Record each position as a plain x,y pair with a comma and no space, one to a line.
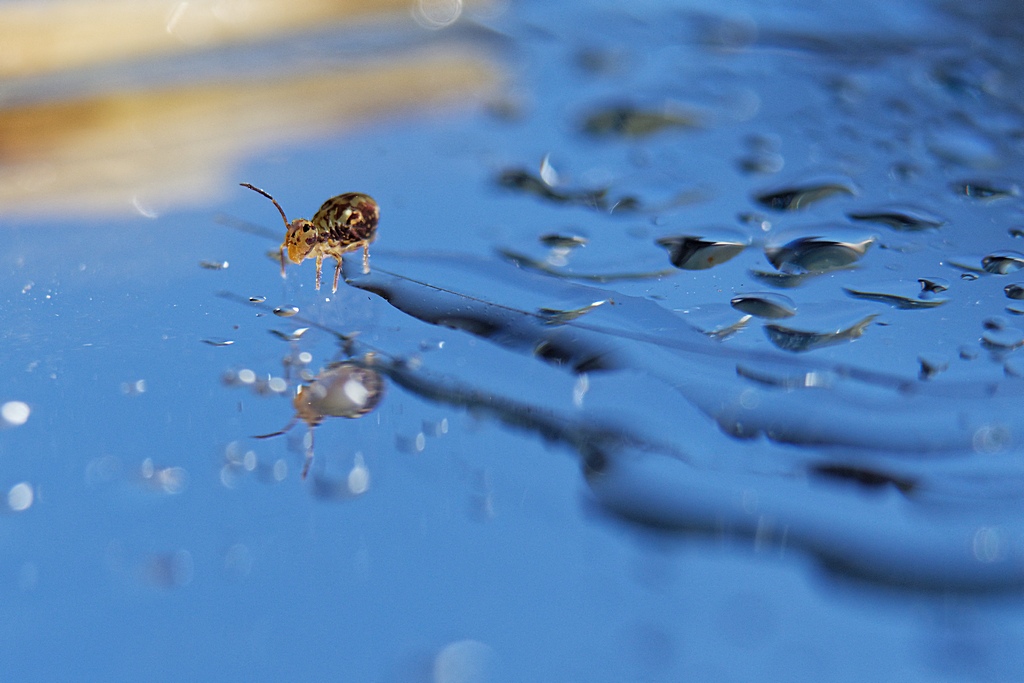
348,389
731,443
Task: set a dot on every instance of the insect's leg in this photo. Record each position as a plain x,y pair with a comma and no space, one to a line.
337,272
309,454
319,267
283,275
366,258
279,433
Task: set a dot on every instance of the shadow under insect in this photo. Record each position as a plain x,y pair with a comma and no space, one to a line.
347,389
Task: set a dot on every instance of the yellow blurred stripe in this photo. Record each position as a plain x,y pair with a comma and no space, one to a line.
38,36
176,146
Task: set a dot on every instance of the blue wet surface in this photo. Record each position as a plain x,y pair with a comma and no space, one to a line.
528,521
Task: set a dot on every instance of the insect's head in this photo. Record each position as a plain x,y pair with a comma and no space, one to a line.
300,239
300,236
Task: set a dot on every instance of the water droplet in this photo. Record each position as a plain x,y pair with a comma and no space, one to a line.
257,299
799,340
786,378
904,295
218,342
723,332
20,497
134,388
986,189
782,280
528,183
286,311
819,253
554,316
630,121
931,365
761,163
715,320
765,305
358,477
547,172
436,14
214,265
933,285
171,480
801,195
560,241
464,661
1016,232
290,336
900,217
280,470
1015,309
969,277
1014,291
15,413
1003,262
995,322
709,249
1003,339
968,352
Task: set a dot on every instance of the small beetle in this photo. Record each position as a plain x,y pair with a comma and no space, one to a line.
344,223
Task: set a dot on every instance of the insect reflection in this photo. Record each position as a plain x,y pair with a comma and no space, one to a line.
348,389
344,223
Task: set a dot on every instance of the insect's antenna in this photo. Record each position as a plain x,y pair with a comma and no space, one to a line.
267,195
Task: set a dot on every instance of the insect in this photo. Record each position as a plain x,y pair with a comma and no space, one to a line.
344,390
344,223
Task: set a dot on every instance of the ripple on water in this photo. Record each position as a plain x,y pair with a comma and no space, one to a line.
811,402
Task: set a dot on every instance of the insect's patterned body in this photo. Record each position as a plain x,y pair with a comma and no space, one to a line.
344,223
